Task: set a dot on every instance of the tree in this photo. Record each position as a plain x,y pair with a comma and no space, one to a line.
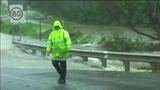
146,12
127,13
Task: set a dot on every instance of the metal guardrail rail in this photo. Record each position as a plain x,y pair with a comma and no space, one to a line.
33,47
153,59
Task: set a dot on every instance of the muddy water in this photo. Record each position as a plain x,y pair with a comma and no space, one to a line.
13,56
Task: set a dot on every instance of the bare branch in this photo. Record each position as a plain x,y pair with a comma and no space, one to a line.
131,25
138,32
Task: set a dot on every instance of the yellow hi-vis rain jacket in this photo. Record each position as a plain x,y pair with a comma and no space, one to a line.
59,42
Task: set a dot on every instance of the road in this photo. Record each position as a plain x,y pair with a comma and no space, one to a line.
25,71
46,79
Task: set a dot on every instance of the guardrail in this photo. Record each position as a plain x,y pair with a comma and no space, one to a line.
33,47
102,55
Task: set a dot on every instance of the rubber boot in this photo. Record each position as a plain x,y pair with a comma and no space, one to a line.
61,80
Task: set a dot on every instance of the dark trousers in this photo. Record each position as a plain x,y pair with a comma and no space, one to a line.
61,68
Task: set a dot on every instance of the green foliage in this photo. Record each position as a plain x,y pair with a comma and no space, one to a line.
5,26
117,42
3,9
33,30
148,73
127,13
85,39
27,29
101,12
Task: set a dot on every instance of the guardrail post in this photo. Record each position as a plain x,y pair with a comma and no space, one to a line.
33,51
43,52
103,61
127,66
70,56
154,66
85,58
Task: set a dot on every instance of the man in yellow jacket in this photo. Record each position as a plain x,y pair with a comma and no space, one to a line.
59,43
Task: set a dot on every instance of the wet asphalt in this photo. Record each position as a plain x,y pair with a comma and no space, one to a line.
46,79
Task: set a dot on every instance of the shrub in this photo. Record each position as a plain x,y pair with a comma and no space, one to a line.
117,42
85,39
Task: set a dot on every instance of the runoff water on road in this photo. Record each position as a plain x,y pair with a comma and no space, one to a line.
13,56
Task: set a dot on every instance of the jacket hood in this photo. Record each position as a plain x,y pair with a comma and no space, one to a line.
57,23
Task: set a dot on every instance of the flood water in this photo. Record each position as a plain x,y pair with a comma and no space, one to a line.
13,56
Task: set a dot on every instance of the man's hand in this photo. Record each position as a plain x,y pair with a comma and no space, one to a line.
47,54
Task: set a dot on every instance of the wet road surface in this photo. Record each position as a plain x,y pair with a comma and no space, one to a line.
23,71
46,79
